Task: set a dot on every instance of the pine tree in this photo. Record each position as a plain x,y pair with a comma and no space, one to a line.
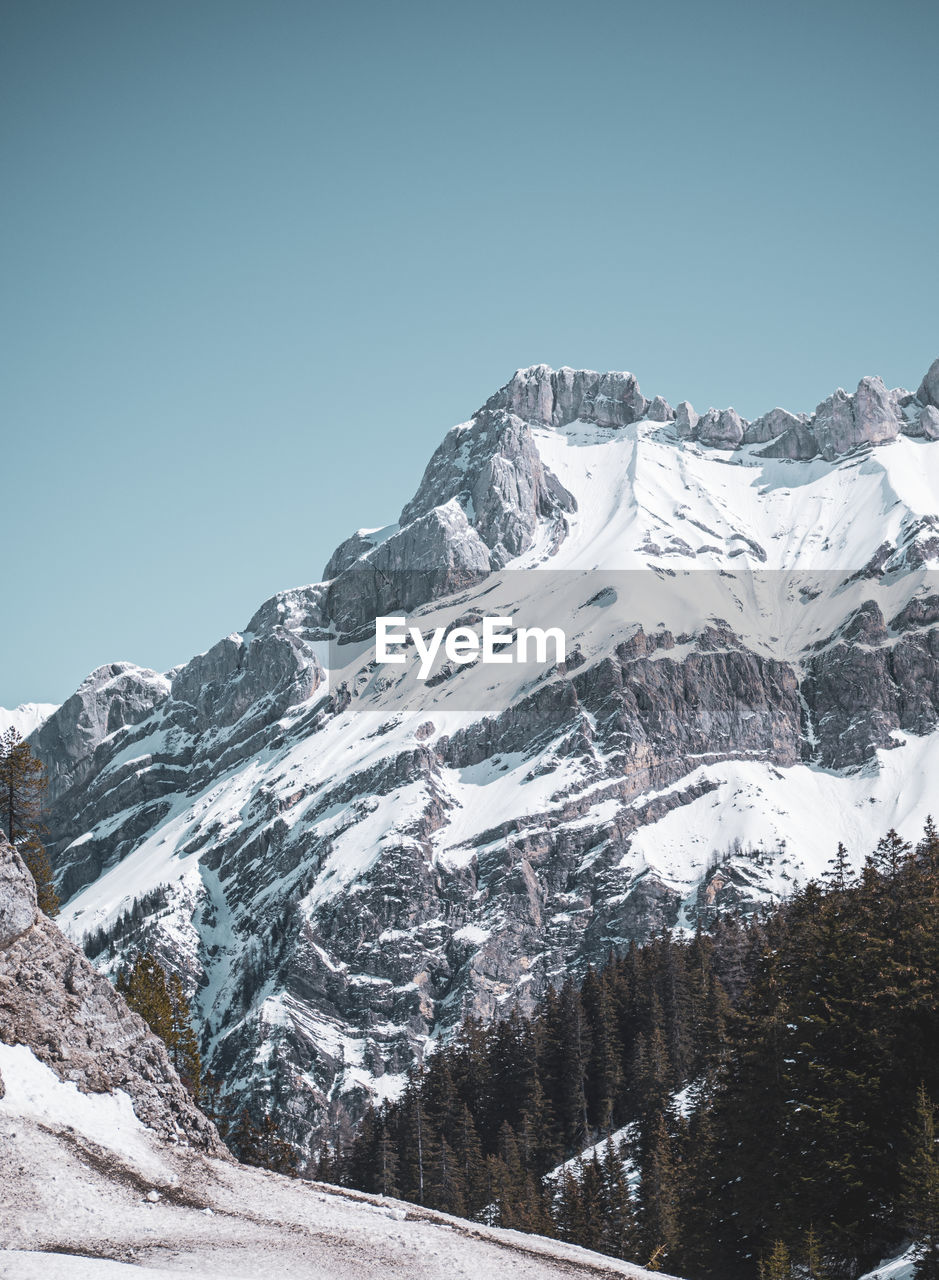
778,1265
620,1230
273,1152
920,1186
840,874
470,1155
890,854
659,1194
183,1045
604,1066
812,1265
145,989
212,1104
161,1002
245,1139
22,782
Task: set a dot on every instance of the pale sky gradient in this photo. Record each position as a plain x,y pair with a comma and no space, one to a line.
258,257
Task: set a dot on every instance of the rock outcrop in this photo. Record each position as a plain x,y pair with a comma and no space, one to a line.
111,698
928,392
72,1019
720,430
770,425
843,422
557,397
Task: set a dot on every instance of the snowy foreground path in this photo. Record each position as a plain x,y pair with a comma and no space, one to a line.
261,1225
88,1193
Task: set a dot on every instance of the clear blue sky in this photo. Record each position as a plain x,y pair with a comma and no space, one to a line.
257,258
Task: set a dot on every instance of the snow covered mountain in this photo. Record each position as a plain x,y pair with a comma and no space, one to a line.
343,859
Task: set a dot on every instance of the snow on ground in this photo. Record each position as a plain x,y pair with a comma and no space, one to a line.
27,717
899,1268
33,1090
798,815
599,1149
75,1206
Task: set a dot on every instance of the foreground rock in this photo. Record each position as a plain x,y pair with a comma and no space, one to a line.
71,1018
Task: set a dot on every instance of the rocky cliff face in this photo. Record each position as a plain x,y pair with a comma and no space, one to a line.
341,859
71,1018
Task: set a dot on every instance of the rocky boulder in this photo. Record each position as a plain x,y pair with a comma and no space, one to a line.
770,425
686,419
929,422
720,429
660,411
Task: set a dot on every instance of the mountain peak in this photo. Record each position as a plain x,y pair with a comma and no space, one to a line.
556,397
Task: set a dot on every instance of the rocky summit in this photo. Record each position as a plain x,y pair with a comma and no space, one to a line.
341,860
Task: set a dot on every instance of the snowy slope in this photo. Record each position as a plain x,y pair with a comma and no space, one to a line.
27,717
341,859
119,1204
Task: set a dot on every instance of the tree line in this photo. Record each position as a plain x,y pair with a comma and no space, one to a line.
770,1087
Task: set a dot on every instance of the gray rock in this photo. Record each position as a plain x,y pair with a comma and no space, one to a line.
720,429
18,910
860,691
876,411
843,422
763,429
111,698
928,392
52,1001
300,610
241,670
541,394
797,443
346,555
660,411
432,556
686,419
929,422
492,468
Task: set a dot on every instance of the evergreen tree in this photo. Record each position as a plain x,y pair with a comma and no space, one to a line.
659,1190
387,1163
211,1102
840,874
620,1236
245,1139
920,1186
604,1064
22,782
161,1002
778,1265
183,1044
470,1155
146,991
